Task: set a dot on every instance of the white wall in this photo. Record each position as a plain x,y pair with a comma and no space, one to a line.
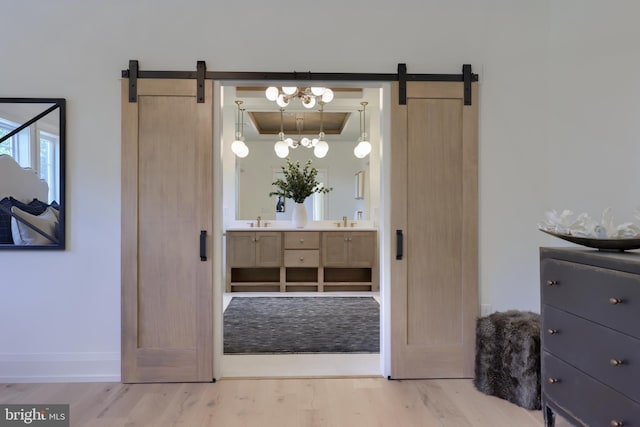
558,128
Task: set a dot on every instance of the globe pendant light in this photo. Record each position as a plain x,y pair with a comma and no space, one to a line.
309,96
364,146
281,148
320,146
238,146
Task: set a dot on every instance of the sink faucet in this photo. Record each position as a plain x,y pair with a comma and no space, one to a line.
344,221
258,221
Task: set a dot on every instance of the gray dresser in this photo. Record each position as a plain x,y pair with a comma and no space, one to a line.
590,336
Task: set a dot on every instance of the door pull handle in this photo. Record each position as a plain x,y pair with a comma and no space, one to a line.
203,245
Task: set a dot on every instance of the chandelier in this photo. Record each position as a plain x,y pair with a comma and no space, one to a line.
319,145
309,95
364,146
238,146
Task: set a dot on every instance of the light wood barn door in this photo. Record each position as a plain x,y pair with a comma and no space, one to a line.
434,286
167,331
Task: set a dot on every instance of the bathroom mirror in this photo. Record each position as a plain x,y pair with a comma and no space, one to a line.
32,173
254,173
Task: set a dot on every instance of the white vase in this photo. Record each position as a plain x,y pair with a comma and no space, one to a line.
299,215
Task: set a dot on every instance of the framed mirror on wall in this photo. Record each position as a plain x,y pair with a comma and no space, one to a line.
32,173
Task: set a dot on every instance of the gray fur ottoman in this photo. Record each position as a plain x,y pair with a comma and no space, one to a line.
508,357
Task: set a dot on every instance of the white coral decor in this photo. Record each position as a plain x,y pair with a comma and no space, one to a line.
585,226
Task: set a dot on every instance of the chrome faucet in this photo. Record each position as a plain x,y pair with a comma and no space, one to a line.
258,221
344,221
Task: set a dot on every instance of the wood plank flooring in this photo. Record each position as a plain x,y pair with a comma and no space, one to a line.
278,402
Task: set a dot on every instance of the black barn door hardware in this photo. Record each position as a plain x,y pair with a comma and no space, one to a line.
134,73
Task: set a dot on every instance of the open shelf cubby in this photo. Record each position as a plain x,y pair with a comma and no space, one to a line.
346,275
301,274
242,274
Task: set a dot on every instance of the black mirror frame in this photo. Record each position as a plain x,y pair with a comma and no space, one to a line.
60,105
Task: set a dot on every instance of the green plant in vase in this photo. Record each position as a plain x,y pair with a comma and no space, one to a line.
298,184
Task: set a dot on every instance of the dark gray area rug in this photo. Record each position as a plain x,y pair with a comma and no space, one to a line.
254,325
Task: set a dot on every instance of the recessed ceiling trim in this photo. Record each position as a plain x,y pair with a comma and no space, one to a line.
268,122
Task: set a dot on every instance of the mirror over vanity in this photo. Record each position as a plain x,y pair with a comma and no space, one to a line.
32,162
258,122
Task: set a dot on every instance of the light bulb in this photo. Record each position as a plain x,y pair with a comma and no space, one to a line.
239,148
309,101
317,91
305,142
282,101
327,96
314,142
282,149
365,147
243,151
290,142
272,93
358,152
321,149
236,146
289,90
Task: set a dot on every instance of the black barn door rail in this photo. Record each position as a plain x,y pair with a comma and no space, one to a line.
134,73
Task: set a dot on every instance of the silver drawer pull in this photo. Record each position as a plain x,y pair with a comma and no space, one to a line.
552,331
301,258
552,282
301,240
615,362
615,301
553,380
615,423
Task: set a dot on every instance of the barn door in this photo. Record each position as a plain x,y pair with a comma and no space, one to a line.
167,331
434,218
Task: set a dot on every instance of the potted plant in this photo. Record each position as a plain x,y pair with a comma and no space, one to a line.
298,184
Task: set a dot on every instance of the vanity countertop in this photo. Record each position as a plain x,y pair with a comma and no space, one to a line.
307,228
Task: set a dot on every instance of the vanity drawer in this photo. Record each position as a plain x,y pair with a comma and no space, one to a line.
607,355
301,240
588,400
608,297
301,258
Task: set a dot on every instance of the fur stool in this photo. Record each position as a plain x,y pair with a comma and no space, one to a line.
508,357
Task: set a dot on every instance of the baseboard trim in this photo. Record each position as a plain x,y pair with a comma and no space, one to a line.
59,367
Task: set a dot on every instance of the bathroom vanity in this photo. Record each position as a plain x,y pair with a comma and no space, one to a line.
290,260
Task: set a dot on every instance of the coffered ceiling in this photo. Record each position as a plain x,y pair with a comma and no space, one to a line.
268,123
262,117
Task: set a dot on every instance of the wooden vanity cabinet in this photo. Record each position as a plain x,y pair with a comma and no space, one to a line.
253,260
254,249
290,261
348,248
302,261
349,260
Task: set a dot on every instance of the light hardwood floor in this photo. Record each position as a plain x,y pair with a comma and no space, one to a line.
278,402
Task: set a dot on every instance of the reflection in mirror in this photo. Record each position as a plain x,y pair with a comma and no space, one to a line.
256,172
32,159
253,175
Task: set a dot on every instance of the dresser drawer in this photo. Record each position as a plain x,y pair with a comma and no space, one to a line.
609,356
301,258
588,400
301,240
609,297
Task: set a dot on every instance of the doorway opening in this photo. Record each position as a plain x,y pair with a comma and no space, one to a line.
357,197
